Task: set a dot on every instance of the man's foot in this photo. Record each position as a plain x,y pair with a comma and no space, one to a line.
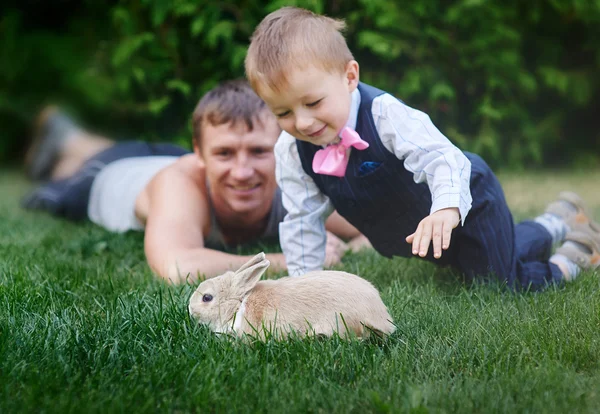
52,128
582,249
572,209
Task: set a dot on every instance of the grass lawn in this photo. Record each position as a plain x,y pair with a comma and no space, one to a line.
85,327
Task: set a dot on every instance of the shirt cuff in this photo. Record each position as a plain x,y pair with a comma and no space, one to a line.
452,198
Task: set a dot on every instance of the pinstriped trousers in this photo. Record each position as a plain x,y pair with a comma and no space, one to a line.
490,243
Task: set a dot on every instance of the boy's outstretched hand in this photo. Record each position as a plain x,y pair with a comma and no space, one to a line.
437,229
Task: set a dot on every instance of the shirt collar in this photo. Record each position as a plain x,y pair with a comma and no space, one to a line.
353,117
354,105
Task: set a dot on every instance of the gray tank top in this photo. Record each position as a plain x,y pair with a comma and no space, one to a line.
215,239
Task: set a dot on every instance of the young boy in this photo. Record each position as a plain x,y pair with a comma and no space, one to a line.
399,178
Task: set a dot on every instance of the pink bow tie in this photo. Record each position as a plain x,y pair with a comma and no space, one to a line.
333,159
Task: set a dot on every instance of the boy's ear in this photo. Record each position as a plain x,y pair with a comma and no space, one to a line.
352,75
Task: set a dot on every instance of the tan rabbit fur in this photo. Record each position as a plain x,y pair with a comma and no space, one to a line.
319,302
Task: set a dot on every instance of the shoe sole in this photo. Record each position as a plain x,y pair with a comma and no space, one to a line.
38,139
589,242
583,217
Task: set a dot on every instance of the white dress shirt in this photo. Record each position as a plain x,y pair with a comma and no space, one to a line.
407,133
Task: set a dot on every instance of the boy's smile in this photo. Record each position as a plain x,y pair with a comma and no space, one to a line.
315,104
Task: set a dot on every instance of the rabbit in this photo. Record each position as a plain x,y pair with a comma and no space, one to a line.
319,303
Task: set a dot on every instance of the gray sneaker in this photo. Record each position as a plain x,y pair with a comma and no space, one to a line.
578,219
585,251
51,130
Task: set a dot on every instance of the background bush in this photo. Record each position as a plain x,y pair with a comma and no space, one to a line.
517,82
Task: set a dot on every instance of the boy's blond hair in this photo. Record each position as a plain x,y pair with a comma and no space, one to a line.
294,38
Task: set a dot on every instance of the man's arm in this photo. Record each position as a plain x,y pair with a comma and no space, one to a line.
342,228
178,212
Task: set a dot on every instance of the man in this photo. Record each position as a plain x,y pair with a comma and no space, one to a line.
191,205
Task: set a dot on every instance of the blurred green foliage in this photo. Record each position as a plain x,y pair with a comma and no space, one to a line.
517,82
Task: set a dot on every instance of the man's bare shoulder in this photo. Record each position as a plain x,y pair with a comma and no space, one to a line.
184,180
188,168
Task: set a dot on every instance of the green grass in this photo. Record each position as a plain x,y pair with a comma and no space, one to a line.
85,327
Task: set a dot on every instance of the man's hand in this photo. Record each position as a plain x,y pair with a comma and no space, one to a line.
334,249
359,243
437,229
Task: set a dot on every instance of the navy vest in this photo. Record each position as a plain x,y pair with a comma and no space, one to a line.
384,203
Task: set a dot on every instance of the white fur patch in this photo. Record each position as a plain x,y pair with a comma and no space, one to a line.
223,328
239,316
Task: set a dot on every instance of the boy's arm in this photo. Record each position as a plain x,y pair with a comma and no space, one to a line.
178,212
302,234
431,157
427,153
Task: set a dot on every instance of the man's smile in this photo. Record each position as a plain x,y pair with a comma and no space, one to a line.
244,188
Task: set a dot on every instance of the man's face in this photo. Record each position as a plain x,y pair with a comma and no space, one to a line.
315,104
240,165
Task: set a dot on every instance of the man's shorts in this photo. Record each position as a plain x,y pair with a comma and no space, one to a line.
69,197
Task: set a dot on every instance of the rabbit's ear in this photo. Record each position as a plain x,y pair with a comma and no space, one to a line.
256,259
246,278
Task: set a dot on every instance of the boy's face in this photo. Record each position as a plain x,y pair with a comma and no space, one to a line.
315,105
240,165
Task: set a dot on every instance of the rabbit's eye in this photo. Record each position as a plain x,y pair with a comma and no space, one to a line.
206,297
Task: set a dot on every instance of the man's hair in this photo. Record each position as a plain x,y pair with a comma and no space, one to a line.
294,38
230,102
